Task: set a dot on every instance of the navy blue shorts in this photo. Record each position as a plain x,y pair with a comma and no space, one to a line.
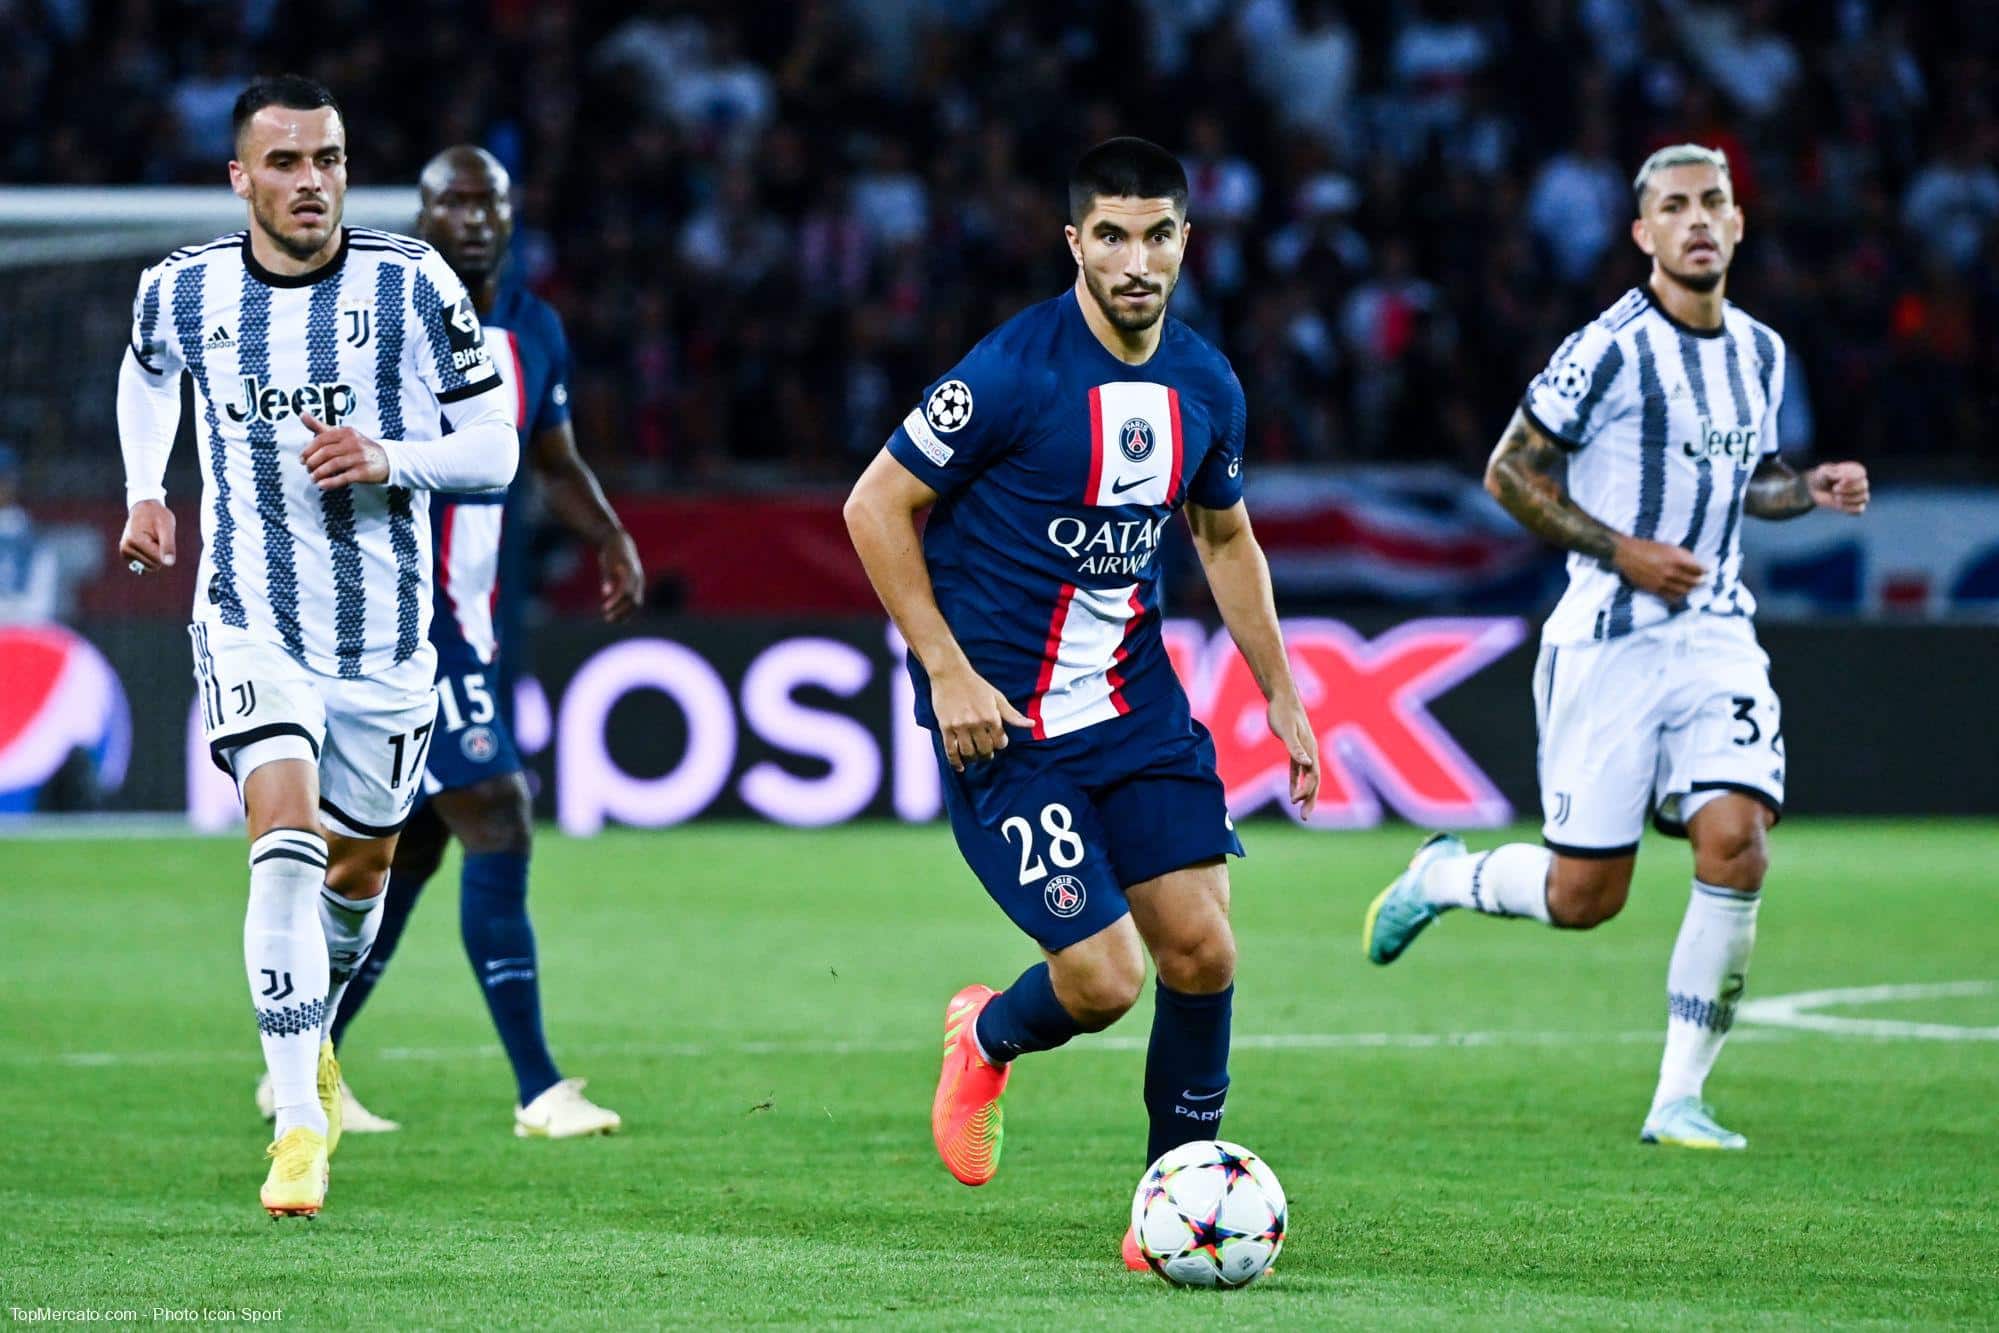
1057,830
473,742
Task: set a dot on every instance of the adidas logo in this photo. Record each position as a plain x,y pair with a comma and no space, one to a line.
221,338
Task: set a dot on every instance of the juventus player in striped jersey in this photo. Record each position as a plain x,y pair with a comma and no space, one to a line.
1651,692
475,787
339,375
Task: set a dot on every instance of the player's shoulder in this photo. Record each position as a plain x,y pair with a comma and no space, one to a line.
1747,328
1620,319
1020,355
1199,367
531,314
391,247
207,252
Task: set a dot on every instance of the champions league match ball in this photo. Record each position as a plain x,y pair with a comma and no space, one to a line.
1209,1214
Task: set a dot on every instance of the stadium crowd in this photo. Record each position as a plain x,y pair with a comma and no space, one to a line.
769,224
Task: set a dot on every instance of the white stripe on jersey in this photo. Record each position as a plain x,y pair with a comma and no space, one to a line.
468,568
1080,683
383,340
1135,431
1666,424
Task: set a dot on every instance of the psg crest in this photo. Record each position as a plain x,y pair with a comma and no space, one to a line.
1135,438
1064,895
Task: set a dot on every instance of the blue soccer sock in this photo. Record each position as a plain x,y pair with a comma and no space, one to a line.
399,901
1024,1017
1186,1067
493,918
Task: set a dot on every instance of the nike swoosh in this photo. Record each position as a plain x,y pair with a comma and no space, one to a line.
1187,1096
1121,486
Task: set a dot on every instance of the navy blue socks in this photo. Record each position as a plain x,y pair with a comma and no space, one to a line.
493,918
1025,1017
1186,1068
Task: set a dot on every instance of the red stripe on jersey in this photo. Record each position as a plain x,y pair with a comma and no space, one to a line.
443,574
520,381
1096,448
1053,649
1179,454
1115,676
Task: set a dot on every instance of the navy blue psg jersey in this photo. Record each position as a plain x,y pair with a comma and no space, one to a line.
1058,467
524,335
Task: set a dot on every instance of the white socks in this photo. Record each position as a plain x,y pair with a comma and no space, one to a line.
1704,983
284,952
350,926
1506,881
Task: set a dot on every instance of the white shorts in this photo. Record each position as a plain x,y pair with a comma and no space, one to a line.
368,736
1660,722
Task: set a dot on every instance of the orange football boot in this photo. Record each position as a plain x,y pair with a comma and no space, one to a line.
1134,1258
965,1116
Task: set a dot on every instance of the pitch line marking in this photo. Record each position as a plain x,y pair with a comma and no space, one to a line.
1278,1041
1800,1011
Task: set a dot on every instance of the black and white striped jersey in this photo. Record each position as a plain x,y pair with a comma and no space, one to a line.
384,339
1663,424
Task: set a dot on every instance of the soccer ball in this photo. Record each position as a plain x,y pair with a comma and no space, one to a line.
1209,1214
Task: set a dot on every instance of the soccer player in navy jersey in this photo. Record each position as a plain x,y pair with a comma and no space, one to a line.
474,785
1081,790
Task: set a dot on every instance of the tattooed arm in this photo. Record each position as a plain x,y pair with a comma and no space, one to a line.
1521,476
1775,491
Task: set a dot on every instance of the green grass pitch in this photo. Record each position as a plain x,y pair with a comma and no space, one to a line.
764,1007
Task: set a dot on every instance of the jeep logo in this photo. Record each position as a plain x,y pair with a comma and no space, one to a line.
330,402
1710,443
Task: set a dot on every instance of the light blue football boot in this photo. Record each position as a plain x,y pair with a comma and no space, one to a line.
1399,912
1689,1123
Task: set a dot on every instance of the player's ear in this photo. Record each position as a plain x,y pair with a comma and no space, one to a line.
239,179
1075,242
1641,235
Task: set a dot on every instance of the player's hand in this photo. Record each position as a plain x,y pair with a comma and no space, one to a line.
1840,486
972,716
1660,568
342,456
148,536
622,579
1290,724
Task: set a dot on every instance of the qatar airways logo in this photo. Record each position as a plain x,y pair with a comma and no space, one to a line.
1108,546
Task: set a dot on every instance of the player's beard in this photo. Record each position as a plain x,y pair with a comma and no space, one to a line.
1696,282
298,247
1128,320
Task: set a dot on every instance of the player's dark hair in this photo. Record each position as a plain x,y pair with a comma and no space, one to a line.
1125,168
294,92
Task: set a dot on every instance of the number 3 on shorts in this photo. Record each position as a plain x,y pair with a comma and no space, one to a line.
1065,845
413,745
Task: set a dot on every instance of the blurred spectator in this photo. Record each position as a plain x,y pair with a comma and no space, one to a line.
1952,202
1578,201
30,587
768,226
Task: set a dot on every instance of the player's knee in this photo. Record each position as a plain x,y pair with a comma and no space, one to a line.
1583,894
1100,994
1201,966
1735,856
359,871
496,817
